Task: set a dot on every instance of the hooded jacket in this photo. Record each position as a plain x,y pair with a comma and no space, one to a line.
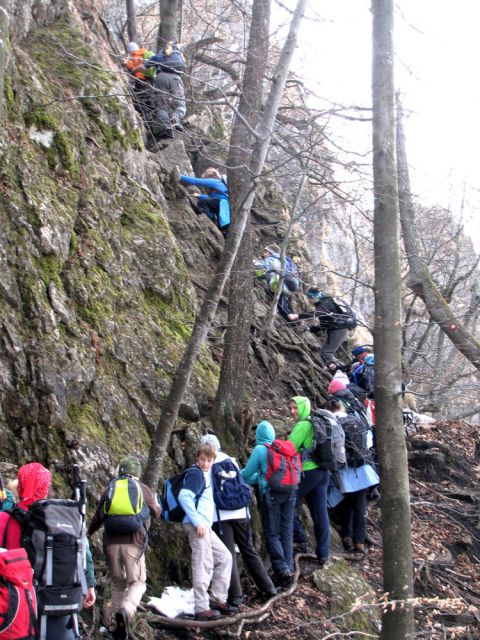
33,484
302,433
256,467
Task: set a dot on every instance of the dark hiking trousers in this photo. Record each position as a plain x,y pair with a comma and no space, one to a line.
239,532
313,487
352,512
277,512
333,341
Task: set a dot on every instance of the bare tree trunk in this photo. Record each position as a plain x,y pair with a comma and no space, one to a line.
212,297
420,281
228,409
168,29
131,21
4,5
395,501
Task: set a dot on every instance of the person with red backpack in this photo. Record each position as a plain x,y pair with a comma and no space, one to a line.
275,467
314,483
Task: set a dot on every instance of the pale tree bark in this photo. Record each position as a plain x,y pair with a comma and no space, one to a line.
419,280
228,408
4,6
209,306
131,20
397,619
169,27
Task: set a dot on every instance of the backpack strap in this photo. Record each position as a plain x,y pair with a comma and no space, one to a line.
49,560
80,570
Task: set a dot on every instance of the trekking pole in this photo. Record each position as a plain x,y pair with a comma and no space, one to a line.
3,493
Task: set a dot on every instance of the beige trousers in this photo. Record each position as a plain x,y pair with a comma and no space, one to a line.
126,563
211,567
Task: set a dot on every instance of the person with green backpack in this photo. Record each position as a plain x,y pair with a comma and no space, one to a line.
123,510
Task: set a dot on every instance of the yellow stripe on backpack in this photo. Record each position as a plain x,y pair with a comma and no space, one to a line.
124,498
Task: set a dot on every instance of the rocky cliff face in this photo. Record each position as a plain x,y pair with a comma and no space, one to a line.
96,300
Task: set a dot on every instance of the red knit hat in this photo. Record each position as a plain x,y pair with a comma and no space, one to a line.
335,385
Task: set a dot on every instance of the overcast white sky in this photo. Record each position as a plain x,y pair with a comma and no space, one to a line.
437,47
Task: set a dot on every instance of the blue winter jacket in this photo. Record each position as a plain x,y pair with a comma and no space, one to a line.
256,467
218,190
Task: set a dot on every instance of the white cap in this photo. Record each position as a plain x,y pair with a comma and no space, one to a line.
132,46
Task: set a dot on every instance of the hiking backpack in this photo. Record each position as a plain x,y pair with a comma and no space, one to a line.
328,451
230,491
283,466
291,277
124,508
54,539
172,511
173,61
18,604
345,317
356,442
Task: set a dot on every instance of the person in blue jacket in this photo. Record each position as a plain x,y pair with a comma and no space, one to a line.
215,203
276,509
211,560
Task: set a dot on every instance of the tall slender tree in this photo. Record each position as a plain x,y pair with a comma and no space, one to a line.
210,303
395,501
4,4
169,27
420,280
231,389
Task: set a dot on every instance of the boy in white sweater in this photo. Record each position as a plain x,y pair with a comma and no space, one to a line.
211,560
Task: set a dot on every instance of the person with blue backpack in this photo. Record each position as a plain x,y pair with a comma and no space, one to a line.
269,267
211,560
232,524
277,504
214,203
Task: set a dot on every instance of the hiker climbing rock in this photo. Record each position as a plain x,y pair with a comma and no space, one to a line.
169,64
215,202
269,267
142,79
123,511
333,315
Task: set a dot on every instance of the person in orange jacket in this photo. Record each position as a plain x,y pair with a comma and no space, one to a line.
141,79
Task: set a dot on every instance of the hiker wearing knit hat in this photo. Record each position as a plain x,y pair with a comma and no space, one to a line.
272,249
132,46
211,438
335,385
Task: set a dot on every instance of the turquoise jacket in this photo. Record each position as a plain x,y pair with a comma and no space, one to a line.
302,433
256,467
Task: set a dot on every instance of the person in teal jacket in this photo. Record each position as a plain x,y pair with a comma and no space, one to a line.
276,508
215,204
314,482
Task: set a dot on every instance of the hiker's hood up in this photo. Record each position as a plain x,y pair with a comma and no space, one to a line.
304,406
33,483
265,433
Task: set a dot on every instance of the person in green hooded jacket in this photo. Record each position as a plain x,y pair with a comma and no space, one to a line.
314,482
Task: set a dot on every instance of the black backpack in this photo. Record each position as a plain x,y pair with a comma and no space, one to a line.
54,539
328,451
356,444
172,510
345,317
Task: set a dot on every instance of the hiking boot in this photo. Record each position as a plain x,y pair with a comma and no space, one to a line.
122,625
207,615
223,608
322,562
347,544
360,548
176,124
235,601
268,595
282,580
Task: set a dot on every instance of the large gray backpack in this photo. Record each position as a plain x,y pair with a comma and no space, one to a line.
328,451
